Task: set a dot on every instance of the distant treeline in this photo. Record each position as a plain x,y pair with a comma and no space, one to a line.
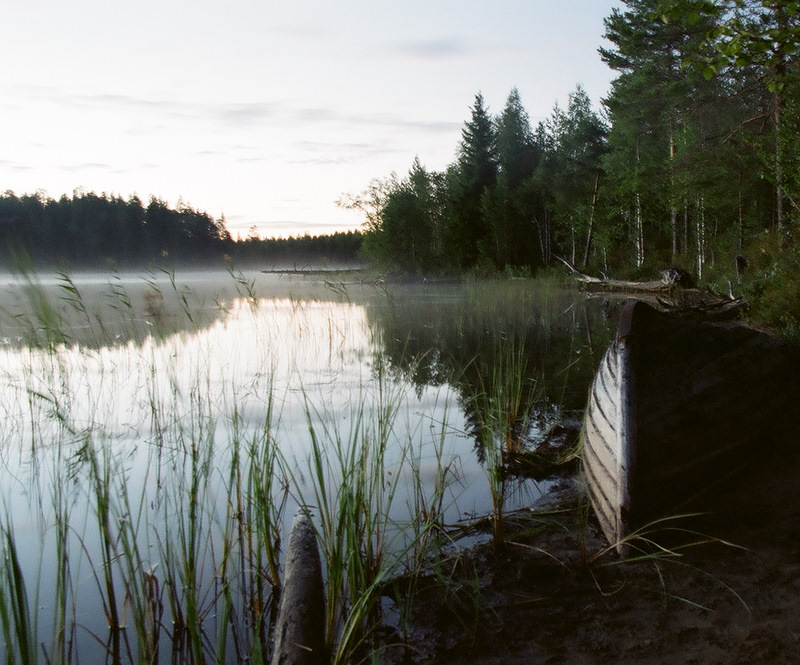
300,251
89,230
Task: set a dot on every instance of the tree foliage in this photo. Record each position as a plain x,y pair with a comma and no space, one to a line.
494,207
693,156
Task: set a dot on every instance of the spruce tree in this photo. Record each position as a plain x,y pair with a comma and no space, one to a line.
475,174
518,157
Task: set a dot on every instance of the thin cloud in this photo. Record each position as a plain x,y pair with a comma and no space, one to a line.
11,165
366,120
252,160
436,49
117,101
239,114
86,167
324,146
230,114
324,161
320,153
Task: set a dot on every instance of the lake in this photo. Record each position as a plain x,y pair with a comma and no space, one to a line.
159,431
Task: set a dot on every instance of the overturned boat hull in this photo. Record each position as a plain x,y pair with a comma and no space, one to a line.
676,407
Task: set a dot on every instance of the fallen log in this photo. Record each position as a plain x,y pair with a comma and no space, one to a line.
675,292
670,278
300,628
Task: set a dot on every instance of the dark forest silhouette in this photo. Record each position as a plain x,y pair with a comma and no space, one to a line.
89,230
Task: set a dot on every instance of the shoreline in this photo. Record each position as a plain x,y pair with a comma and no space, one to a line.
723,592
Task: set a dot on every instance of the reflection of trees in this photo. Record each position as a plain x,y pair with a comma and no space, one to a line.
494,339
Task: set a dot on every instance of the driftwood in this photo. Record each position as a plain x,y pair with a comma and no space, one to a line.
300,628
670,278
683,298
705,308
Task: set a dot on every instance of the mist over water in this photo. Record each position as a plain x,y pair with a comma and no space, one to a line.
159,378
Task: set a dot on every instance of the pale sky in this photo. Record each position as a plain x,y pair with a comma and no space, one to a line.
264,111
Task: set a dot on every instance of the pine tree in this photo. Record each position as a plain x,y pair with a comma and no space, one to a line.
580,146
650,108
756,42
475,173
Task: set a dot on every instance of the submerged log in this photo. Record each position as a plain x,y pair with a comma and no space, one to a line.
300,629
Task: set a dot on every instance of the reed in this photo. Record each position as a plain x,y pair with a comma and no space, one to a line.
503,409
351,483
129,527
41,323
144,600
430,495
64,624
257,493
100,477
351,494
178,512
18,622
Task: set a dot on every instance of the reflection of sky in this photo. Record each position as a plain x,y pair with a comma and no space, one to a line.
144,403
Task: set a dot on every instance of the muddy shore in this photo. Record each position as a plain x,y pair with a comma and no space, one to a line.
555,594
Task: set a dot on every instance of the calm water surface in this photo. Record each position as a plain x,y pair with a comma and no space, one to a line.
133,386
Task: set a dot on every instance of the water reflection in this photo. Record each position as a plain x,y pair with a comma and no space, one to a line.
468,336
189,403
110,309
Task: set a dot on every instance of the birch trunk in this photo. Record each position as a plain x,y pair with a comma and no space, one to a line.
778,163
639,232
572,240
673,211
591,221
701,237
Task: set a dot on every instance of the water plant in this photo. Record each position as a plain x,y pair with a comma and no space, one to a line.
17,621
170,465
350,491
502,412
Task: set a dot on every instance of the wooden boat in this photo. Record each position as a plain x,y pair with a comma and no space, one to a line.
676,407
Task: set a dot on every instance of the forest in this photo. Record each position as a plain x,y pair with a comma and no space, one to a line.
692,161
89,230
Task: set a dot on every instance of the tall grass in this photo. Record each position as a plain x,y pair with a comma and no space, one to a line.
169,489
503,409
17,621
375,516
430,496
177,566
351,493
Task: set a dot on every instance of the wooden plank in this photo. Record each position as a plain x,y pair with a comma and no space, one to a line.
603,483
602,454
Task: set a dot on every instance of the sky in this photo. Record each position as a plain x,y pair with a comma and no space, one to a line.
268,112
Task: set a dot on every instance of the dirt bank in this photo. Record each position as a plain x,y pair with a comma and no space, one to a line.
555,596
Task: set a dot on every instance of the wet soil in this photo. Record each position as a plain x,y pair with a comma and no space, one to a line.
557,594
